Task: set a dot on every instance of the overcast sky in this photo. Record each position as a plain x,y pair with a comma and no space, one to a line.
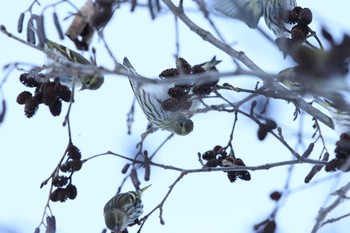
206,202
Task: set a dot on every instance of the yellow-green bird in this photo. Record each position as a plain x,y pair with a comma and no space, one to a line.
123,209
331,92
84,81
150,96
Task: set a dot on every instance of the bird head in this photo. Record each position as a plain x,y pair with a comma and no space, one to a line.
92,82
116,220
183,126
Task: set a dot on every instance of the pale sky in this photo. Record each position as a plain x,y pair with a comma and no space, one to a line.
206,202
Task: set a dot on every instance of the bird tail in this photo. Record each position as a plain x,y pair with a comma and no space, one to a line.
210,64
129,67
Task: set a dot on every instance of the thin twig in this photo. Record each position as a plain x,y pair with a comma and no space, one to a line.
270,84
323,212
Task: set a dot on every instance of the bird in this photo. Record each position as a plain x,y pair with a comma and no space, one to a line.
150,96
84,81
330,91
123,209
250,12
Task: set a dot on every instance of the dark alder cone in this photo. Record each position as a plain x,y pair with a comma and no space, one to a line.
342,150
293,15
244,175
169,73
223,153
60,181
65,167
185,105
171,104
183,66
71,165
56,108
72,191
64,93
203,89
302,28
74,152
76,165
275,195
305,16
297,34
332,165
63,194
38,96
23,97
60,194
239,162
342,155
54,196
222,157
262,133
31,107
270,124
270,227
232,176
213,163
28,80
217,149
177,92
265,128
208,155
49,95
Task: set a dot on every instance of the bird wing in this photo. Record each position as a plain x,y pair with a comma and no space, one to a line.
65,52
249,11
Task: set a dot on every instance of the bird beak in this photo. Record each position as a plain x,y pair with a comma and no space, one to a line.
83,87
144,188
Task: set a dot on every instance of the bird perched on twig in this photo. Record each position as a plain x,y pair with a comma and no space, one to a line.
84,81
151,95
123,209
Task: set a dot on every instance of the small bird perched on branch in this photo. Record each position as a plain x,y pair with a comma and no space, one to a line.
84,81
151,97
123,209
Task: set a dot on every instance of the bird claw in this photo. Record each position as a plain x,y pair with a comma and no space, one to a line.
137,221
